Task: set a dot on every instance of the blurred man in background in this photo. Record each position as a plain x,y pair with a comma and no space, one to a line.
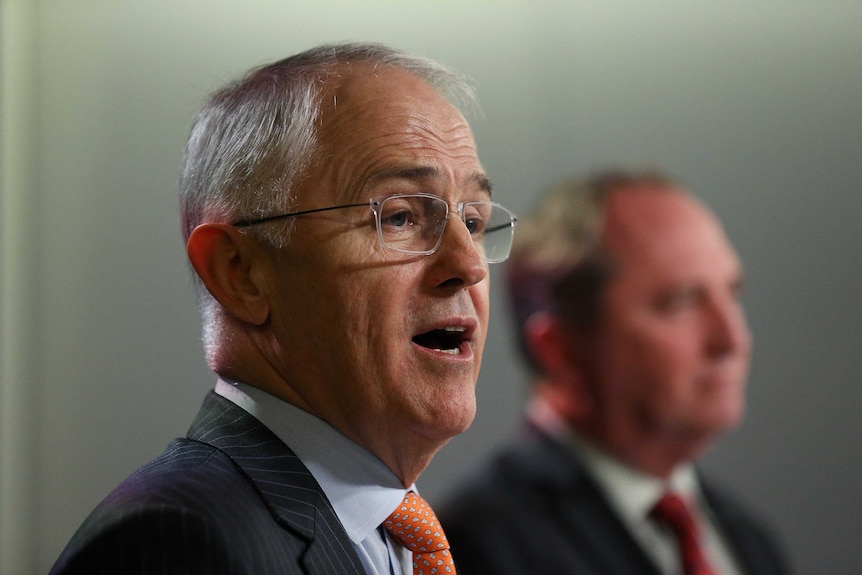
626,294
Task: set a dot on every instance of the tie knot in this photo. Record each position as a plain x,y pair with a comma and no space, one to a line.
673,511
415,526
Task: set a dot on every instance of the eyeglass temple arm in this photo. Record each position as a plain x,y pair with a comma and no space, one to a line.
509,224
253,222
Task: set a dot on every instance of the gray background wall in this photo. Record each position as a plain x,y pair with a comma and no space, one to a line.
757,105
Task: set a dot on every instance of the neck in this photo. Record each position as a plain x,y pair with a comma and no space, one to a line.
656,456
405,454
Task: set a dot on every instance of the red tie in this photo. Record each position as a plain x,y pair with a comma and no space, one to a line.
673,512
414,525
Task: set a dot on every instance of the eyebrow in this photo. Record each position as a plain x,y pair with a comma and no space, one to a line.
421,173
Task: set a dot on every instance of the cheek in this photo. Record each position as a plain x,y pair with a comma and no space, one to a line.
382,305
480,295
658,361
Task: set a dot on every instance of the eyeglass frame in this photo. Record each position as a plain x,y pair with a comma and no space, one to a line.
375,203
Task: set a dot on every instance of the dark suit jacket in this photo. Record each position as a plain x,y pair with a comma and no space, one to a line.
230,498
533,510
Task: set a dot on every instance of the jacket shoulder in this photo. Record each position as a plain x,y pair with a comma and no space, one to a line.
190,510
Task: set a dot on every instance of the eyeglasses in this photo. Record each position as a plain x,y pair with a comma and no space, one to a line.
414,223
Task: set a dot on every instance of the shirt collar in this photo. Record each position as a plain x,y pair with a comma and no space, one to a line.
632,492
361,488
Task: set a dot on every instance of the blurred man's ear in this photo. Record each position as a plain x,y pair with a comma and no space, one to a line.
560,354
227,261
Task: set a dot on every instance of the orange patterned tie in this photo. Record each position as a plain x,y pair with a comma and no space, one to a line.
673,512
414,525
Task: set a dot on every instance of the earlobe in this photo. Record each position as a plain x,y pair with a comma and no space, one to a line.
225,260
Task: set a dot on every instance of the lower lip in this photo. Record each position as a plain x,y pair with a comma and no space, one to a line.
464,355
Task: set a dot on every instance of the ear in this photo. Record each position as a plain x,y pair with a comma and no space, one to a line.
549,344
559,351
228,263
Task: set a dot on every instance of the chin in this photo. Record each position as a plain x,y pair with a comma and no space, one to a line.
453,419
726,407
734,419
725,420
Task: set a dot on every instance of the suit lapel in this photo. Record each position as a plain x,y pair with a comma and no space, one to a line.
743,537
581,509
284,483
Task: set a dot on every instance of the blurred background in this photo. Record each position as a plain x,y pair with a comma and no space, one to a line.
757,106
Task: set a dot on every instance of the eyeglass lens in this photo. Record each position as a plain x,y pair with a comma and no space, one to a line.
415,224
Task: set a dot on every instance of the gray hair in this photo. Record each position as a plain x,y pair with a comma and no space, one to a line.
253,139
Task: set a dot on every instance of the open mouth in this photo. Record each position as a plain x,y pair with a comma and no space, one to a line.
448,339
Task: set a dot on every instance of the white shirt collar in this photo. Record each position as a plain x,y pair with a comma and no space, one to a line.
362,489
630,491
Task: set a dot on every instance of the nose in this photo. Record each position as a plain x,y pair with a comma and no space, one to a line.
457,262
729,332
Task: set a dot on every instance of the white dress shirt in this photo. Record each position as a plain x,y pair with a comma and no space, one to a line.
362,489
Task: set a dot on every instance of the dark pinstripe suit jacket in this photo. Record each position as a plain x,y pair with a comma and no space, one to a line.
534,510
231,498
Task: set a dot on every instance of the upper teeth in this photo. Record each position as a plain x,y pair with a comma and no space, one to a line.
454,328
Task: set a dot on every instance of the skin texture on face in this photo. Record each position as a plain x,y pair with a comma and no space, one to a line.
345,312
665,370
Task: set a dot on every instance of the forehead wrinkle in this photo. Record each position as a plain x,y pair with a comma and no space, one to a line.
412,173
414,137
424,173
394,130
